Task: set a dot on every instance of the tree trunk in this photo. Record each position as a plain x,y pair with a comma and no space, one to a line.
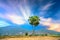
33,30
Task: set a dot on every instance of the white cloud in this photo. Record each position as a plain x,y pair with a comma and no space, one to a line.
16,19
55,27
25,12
47,6
45,21
51,25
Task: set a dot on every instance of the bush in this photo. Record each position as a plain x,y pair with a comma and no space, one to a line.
26,34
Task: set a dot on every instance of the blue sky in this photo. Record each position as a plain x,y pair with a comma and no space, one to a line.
17,12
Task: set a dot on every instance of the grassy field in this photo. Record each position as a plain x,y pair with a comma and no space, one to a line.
32,38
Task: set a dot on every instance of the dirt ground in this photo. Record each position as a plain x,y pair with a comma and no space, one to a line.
33,38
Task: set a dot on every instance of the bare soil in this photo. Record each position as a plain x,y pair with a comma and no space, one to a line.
33,38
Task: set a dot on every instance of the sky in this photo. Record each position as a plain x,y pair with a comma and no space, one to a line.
17,12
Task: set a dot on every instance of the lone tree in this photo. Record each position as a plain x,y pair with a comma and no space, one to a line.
34,20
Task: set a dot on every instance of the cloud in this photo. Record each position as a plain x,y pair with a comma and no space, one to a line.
45,21
50,23
14,12
55,27
25,11
47,6
15,19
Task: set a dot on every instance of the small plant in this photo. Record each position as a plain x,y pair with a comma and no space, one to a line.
46,35
26,34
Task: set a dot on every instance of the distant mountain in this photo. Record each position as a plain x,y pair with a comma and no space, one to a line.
45,31
11,30
14,30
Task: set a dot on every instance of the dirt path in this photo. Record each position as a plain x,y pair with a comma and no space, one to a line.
33,38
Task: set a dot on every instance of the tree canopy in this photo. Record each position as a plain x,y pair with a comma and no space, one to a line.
34,20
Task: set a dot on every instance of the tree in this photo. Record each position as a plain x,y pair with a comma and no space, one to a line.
34,20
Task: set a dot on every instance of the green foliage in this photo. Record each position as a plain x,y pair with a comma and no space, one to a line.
46,35
26,34
34,20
